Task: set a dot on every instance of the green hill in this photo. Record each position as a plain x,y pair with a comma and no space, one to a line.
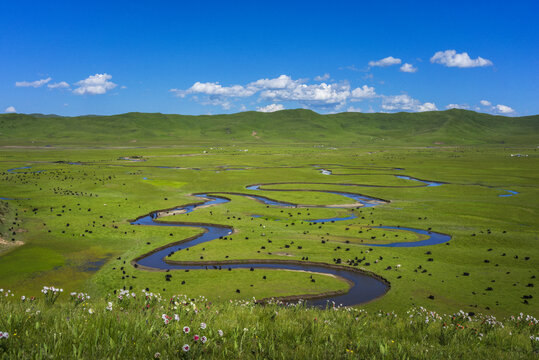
451,127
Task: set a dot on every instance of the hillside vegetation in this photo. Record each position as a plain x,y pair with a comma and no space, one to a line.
451,127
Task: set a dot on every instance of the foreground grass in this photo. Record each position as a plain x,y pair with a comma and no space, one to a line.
144,325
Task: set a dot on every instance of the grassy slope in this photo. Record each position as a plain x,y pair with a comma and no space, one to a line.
448,127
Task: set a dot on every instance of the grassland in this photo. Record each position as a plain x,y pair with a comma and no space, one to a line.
452,127
67,222
145,326
80,225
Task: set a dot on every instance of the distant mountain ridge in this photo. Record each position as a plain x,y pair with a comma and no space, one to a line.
450,127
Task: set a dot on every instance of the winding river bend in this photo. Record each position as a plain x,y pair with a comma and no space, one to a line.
364,286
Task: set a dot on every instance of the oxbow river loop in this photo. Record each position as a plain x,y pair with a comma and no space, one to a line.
364,286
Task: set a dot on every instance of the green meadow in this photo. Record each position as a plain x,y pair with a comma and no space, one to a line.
71,187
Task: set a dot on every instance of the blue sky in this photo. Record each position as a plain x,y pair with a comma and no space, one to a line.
74,58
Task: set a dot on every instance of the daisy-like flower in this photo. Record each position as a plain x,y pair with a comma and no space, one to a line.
203,339
186,329
203,326
196,337
90,311
157,355
176,317
220,332
185,348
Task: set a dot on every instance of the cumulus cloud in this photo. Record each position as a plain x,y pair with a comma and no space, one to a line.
485,103
315,94
270,108
324,77
500,109
321,95
503,109
282,88
282,82
34,84
215,89
10,109
428,106
406,102
409,68
364,92
457,106
450,58
59,85
97,84
388,61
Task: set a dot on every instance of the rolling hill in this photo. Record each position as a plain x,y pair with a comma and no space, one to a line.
451,127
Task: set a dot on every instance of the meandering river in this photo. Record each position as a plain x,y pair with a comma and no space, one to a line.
364,287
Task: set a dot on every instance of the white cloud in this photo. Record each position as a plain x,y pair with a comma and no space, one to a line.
450,58
353,109
405,102
388,61
282,88
59,85
35,84
215,89
457,106
364,92
332,96
428,106
271,108
503,109
316,94
10,109
282,82
324,77
95,85
409,68
485,103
